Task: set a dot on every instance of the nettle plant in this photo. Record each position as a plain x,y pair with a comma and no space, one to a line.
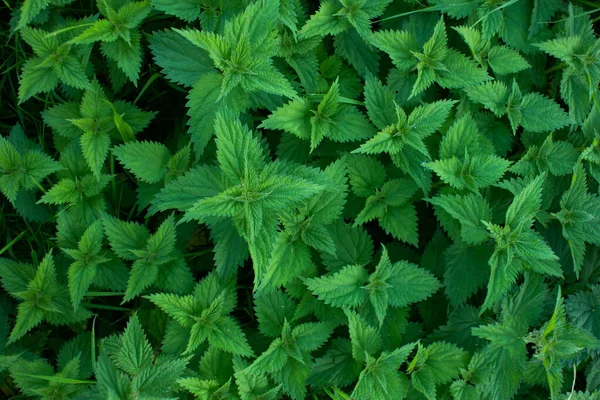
290,199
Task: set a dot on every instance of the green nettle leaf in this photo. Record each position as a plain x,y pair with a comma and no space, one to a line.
146,160
507,352
472,173
99,120
272,310
345,288
203,107
409,131
576,47
125,236
180,60
289,259
187,10
364,338
30,9
502,59
404,140
257,192
539,114
471,211
204,388
135,353
366,175
584,311
333,18
466,271
94,147
390,206
493,95
336,366
555,157
82,194
128,367
467,158
352,246
359,54
381,378
38,377
379,100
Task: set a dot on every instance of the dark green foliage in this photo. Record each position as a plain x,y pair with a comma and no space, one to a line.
293,199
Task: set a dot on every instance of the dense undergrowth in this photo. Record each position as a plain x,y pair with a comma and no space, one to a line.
290,199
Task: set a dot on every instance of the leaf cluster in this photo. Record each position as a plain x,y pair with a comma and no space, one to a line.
286,199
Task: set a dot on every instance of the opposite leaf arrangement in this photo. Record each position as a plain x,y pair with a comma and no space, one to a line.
291,199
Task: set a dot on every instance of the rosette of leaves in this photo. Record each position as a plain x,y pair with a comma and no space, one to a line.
390,285
41,296
433,61
95,122
23,165
246,190
578,49
119,35
204,316
156,260
332,119
56,61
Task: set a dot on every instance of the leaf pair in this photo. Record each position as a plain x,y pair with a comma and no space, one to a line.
434,61
558,340
288,360
95,122
467,159
205,315
334,17
307,228
127,367
22,165
396,285
533,111
119,34
152,162
55,62
518,246
42,296
243,53
501,59
156,261
402,136
578,216
331,120
577,47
